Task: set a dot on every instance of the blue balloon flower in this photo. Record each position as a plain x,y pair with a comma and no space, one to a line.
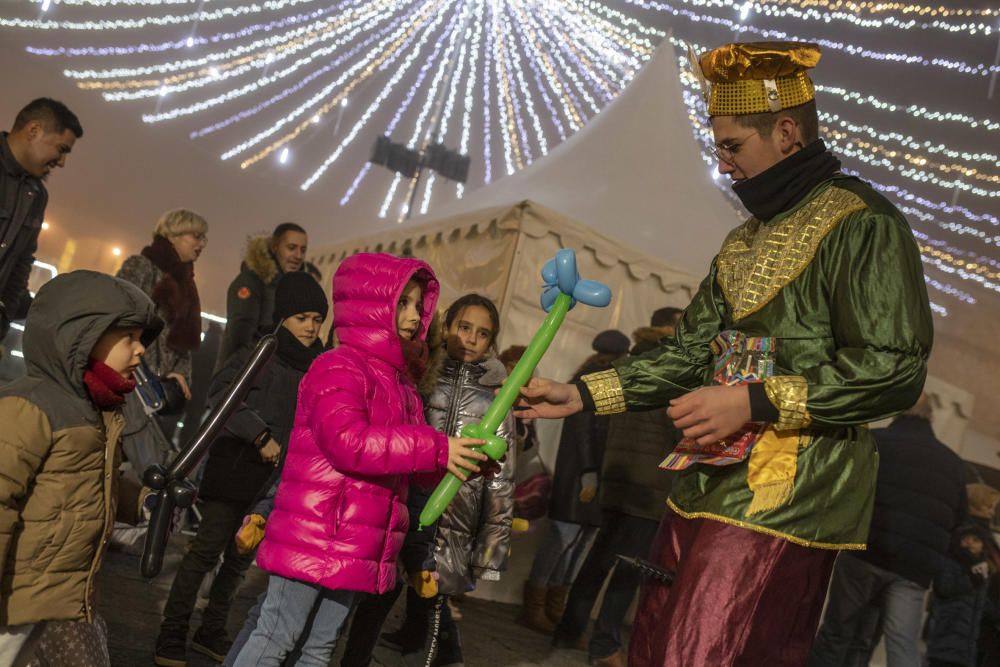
561,277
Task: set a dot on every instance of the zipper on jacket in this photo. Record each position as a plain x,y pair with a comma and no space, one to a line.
451,417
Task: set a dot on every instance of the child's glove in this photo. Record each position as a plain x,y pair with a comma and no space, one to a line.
588,487
425,583
250,533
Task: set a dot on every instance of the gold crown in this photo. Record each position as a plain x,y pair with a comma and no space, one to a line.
758,77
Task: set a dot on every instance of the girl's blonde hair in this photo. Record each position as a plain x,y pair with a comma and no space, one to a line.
180,221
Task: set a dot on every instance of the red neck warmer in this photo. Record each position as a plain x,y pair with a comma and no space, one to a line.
106,386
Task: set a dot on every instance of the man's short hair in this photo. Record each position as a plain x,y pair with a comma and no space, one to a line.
54,116
804,114
284,228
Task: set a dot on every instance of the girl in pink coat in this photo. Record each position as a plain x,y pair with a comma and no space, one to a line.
340,515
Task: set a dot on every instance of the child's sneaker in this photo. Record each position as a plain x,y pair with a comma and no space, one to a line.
213,644
170,652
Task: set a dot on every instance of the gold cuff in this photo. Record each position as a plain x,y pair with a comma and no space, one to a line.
606,390
788,393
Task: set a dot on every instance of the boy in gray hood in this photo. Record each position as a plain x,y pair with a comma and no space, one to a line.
60,490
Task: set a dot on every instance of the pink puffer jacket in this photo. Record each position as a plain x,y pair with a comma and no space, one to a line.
340,514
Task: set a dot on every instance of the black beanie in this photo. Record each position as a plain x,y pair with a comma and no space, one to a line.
298,292
611,341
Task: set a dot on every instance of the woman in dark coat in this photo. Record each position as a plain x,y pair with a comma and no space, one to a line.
575,517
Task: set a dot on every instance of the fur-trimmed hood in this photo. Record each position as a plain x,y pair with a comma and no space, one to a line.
646,338
258,258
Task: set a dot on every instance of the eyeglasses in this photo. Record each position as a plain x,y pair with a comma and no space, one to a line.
727,151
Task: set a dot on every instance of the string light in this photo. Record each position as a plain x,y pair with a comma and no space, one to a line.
845,12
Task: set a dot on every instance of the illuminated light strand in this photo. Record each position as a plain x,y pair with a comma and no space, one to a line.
511,149
811,14
560,46
968,270
383,94
540,86
253,86
878,6
977,69
564,68
951,290
851,141
514,55
302,83
911,110
219,37
518,102
570,110
389,49
148,21
968,259
487,112
576,114
576,52
470,86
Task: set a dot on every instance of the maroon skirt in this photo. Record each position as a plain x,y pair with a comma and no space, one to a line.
740,598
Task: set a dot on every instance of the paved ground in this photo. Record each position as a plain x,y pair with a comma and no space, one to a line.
131,605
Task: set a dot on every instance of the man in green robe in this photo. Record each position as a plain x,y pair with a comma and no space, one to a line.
812,322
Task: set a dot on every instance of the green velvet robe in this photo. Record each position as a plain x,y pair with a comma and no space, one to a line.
837,282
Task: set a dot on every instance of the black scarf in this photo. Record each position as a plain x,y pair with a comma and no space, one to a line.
782,186
294,353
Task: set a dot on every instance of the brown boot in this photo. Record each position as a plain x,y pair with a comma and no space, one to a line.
555,603
616,659
533,610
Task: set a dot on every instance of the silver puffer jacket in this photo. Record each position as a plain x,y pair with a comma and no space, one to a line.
473,535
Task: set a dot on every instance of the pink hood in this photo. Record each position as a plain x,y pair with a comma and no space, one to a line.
340,516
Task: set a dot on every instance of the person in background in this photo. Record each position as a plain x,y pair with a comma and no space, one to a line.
43,135
164,270
633,497
983,501
250,297
920,500
340,515
575,517
59,452
240,464
960,604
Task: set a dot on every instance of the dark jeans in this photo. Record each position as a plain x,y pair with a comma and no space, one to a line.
219,521
366,626
862,597
621,534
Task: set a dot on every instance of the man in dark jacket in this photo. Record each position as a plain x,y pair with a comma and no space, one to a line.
633,495
42,136
250,297
919,501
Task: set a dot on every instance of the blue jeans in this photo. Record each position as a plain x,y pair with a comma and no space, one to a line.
862,598
293,609
561,553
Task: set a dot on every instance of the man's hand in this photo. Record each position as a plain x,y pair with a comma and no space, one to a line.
271,452
709,414
460,449
183,383
547,399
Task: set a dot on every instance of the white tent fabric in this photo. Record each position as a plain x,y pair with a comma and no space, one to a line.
633,173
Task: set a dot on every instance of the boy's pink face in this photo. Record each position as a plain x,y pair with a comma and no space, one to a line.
121,349
409,311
